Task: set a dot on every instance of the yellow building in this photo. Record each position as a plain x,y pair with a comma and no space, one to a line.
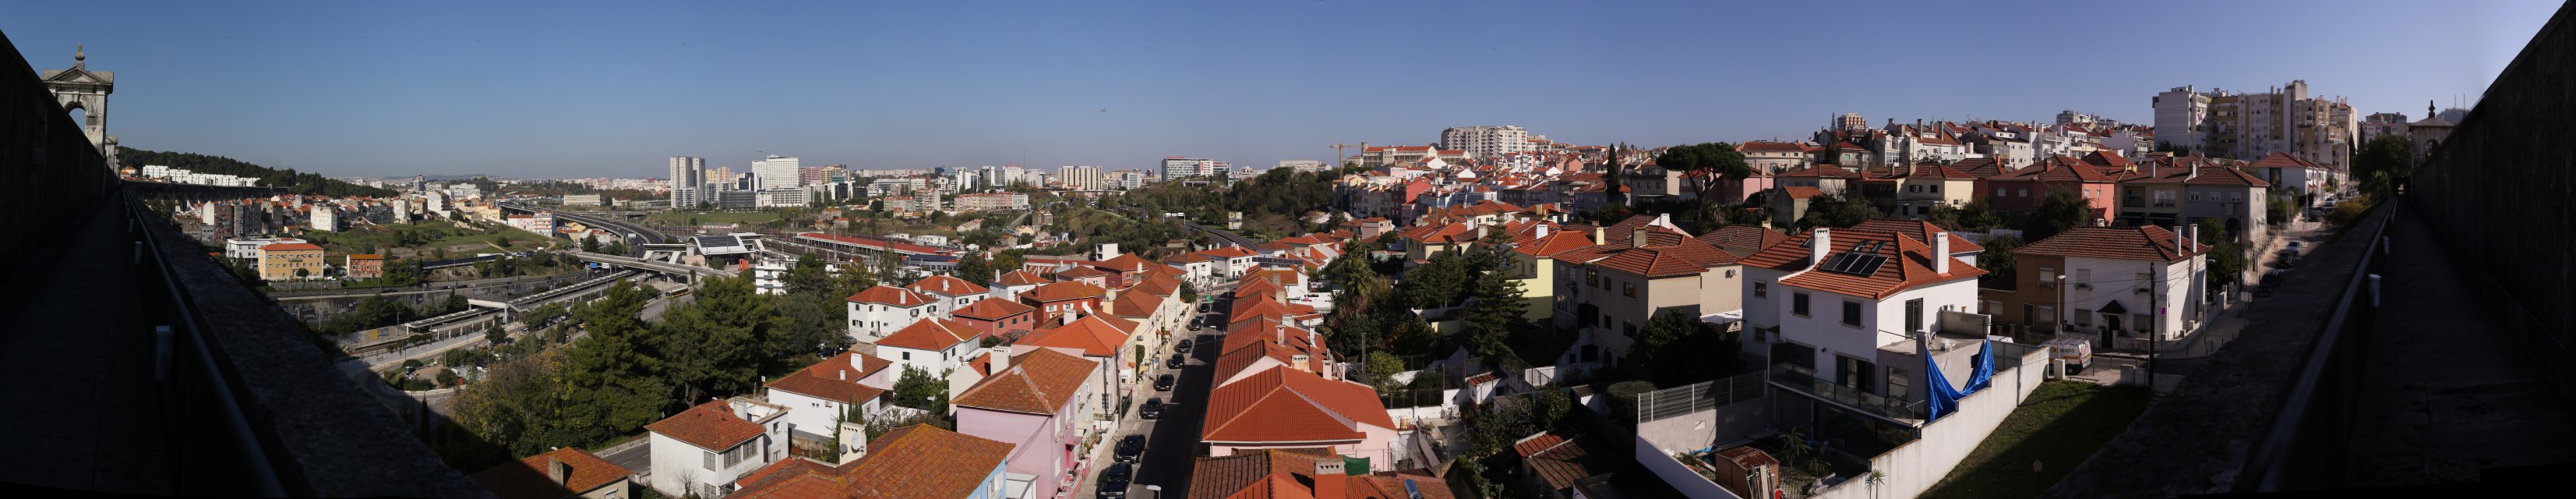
278,262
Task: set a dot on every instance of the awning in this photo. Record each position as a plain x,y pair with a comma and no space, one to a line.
2113,308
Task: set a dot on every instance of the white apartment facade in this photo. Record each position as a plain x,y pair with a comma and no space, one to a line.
1482,141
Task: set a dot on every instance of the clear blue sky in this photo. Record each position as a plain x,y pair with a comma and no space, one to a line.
612,89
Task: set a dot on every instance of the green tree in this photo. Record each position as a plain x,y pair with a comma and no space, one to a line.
612,376
1838,211
501,240
1707,160
973,268
718,343
520,406
1999,262
2279,209
919,389
1493,313
1436,283
808,276
1382,368
540,316
2063,209
1675,349
2382,161
589,244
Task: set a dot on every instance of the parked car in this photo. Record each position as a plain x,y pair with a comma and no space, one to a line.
1163,383
1177,361
2271,280
1153,409
1131,448
1183,346
1113,480
2296,245
2288,259
2077,352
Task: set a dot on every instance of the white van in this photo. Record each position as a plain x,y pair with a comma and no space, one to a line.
2077,353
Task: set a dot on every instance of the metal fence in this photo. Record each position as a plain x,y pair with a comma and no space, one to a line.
1703,396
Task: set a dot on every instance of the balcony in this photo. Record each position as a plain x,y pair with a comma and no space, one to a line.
1804,380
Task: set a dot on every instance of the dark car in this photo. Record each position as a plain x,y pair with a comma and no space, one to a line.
1113,481
1153,409
2271,280
2289,259
1177,361
1203,308
1163,383
1131,448
1196,323
1183,346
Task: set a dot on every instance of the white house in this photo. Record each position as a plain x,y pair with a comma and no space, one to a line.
932,344
822,395
947,293
702,450
1838,302
878,311
2127,287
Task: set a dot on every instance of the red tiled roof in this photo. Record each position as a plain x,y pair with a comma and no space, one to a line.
290,247
711,426
1039,382
1093,335
527,479
1685,257
1801,192
947,285
1078,273
1061,291
1554,243
2058,169
930,333
1908,264
1822,171
1980,167
1135,304
1021,277
1226,252
1743,239
1288,405
2150,243
925,461
835,379
1920,231
890,295
1560,460
992,309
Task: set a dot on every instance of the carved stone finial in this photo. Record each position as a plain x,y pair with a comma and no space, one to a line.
77,54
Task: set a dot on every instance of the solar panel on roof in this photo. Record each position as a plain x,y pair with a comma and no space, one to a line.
1869,265
1837,263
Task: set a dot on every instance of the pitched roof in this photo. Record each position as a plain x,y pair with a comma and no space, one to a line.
1021,277
930,333
1908,264
1980,167
1687,257
2150,243
711,426
2058,169
890,295
835,379
1802,192
926,461
1822,171
1252,473
992,309
1560,460
1920,231
947,285
2279,159
1093,335
527,479
1288,405
1066,290
1743,239
1039,382
290,247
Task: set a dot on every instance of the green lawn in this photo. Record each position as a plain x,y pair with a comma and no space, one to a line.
2061,424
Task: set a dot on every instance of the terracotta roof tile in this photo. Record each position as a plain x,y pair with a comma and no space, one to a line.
1039,382
1094,335
1560,460
835,379
930,333
946,285
1287,405
1022,277
992,309
1908,264
711,426
2149,243
1061,291
890,295
527,479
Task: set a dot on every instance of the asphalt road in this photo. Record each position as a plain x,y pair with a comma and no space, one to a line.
1172,441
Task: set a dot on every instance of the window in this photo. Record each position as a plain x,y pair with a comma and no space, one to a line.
1898,386
907,356
1798,304
1628,328
1914,188
1999,192
2083,317
2145,280
1914,315
2047,314
1851,313
1761,290
709,461
2235,196
2083,276
2047,276
1628,289
1852,373
2195,197
2021,193
1730,273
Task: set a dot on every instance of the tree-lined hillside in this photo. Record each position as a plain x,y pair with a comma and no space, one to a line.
294,182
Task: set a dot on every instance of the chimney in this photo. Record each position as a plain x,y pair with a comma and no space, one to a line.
1940,252
1665,219
1480,232
1820,244
1069,316
1637,237
2190,234
557,471
1329,478
1600,236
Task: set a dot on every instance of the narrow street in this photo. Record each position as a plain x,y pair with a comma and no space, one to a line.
1171,441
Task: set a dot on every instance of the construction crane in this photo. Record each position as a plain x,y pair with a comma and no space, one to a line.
1338,157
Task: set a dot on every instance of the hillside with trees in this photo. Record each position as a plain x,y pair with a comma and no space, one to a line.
293,181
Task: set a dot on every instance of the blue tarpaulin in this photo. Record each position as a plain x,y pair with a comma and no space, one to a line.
1945,399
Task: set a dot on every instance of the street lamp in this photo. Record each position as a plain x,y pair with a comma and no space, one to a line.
1156,489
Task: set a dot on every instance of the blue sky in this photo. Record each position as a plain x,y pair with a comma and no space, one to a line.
556,89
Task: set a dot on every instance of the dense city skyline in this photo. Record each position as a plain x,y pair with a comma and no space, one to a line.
587,91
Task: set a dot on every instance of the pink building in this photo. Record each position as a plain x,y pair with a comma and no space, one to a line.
1036,404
